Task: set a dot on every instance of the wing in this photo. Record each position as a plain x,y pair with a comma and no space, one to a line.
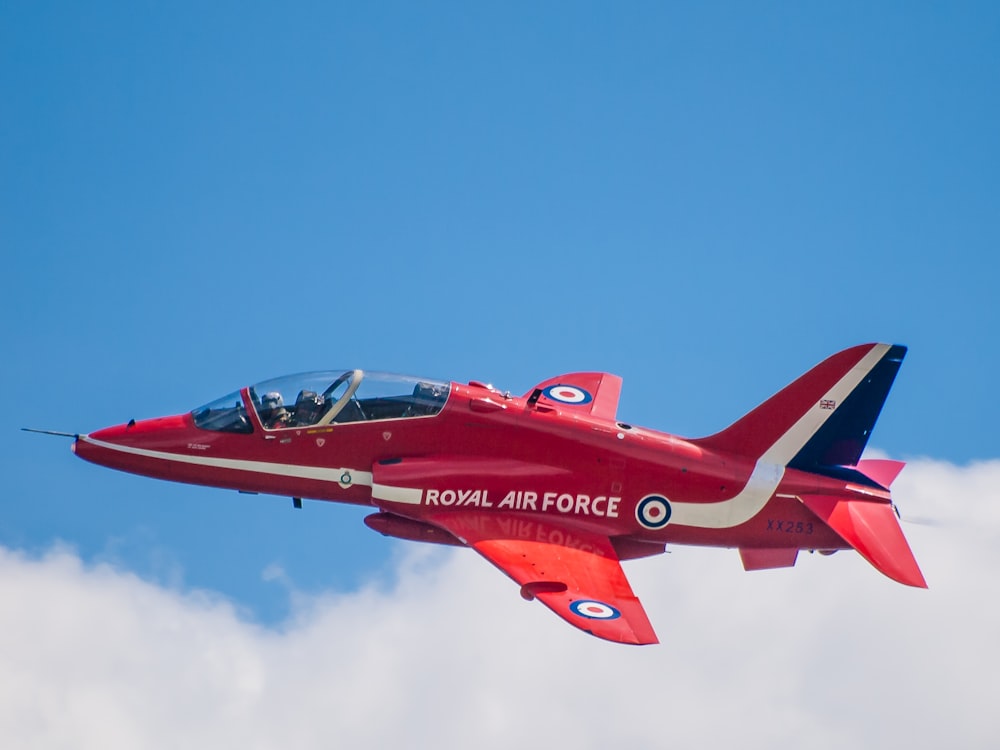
596,393
575,574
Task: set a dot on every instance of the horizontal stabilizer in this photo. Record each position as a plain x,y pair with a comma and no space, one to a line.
873,530
755,558
881,470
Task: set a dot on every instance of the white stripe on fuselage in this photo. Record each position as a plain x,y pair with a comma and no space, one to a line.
405,495
723,515
260,467
770,467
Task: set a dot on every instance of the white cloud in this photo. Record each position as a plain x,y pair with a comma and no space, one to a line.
828,654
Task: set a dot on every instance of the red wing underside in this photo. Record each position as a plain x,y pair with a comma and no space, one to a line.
584,584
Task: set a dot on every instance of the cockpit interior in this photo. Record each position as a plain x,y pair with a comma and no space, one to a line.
325,398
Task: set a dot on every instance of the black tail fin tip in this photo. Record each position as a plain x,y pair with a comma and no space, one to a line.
843,437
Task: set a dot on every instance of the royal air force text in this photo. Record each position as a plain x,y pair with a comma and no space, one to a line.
603,506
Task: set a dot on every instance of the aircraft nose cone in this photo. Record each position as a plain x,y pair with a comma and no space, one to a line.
107,434
99,447
130,446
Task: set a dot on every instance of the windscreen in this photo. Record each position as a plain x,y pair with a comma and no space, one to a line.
225,414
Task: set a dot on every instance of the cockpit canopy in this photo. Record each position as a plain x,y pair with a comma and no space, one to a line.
325,398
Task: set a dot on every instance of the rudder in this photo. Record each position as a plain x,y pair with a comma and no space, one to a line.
842,438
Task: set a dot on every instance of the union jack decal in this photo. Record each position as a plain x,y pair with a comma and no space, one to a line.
827,403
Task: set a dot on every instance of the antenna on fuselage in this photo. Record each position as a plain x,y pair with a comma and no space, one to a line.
73,435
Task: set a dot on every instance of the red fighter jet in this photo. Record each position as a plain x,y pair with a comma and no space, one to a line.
549,486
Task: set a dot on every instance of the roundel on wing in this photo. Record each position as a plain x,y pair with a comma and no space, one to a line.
653,511
567,394
594,610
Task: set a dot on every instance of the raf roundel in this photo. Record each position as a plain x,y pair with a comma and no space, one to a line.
594,610
567,394
653,511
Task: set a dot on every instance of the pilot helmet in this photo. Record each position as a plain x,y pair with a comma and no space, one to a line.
271,400
308,406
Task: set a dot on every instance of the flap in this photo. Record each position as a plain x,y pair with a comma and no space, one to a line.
596,393
576,574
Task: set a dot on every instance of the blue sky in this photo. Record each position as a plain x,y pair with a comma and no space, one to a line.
705,199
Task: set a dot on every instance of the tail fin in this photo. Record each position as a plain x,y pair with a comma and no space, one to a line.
821,424
822,421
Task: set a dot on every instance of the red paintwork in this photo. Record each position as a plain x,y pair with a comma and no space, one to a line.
882,470
872,529
467,464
